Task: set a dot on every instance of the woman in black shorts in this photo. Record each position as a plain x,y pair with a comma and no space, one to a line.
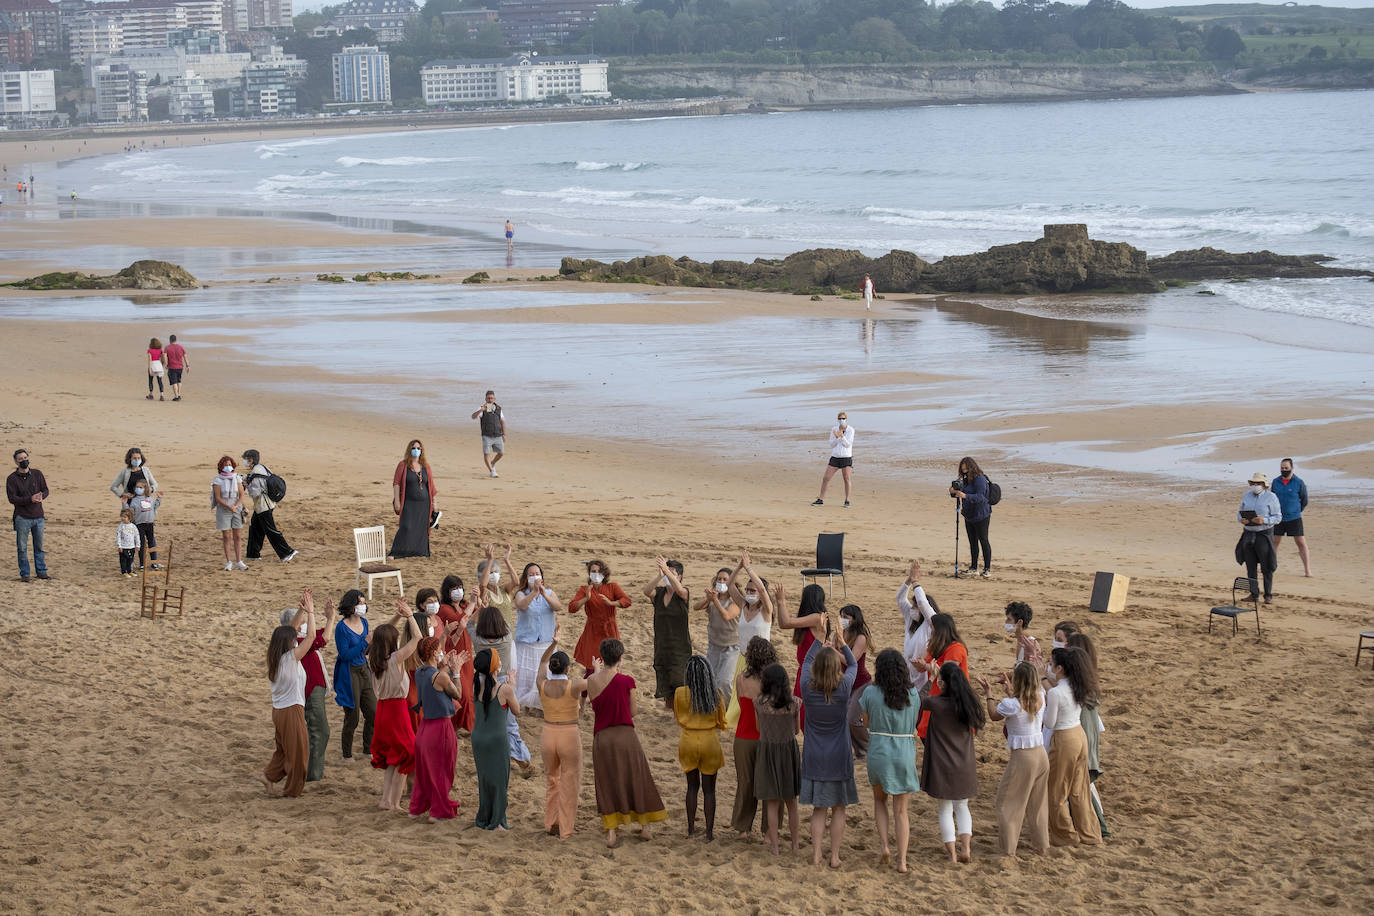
841,457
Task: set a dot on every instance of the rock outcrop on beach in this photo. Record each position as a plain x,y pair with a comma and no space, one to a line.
138,275
1064,260
1215,264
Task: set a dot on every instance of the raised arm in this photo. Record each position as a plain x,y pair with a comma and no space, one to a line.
512,580
543,674
812,622
673,583
305,646
409,648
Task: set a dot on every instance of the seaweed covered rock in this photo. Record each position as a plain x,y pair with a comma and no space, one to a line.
146,274
1214,264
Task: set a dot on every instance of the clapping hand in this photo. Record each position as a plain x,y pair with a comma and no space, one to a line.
403,609
307,601
458,661
557,630
987,688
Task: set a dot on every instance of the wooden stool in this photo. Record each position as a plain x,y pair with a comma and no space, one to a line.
1366,636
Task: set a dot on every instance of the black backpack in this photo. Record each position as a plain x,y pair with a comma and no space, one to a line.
274,487
994,492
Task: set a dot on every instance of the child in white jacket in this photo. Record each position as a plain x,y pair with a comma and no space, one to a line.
127,541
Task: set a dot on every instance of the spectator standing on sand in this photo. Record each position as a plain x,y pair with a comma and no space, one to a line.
26,489
175,354
493,421
1259,513
841,457
264,524
1292,494
867,289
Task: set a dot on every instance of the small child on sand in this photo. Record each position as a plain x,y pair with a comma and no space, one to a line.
145,507
126,540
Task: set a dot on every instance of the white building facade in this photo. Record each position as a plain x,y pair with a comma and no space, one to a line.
121,94
27,96
522,78
362,73
190,98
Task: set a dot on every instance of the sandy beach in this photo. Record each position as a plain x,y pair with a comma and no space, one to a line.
1234,767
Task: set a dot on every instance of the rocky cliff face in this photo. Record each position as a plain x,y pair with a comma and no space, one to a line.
912,84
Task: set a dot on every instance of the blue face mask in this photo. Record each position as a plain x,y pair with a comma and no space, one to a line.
415,453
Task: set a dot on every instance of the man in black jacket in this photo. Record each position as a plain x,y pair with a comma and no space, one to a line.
26,489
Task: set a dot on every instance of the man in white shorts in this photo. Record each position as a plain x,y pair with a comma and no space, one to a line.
493,422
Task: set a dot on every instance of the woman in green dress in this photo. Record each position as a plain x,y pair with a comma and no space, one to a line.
490,746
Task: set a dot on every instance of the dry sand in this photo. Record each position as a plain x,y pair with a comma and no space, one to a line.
1236,769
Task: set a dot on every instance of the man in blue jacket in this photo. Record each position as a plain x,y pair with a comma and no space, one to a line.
1292,494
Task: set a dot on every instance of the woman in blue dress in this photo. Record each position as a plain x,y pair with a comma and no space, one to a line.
889,706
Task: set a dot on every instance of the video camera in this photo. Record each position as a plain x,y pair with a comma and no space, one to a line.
956,484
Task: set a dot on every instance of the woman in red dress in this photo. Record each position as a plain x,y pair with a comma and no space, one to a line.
393,736
599,598
456,607
812,624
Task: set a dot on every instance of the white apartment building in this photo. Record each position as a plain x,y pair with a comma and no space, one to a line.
190,98
92,33
521,78
168,64
27,95
120,94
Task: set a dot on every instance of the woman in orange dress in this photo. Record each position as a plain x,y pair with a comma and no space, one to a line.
599,598
945,646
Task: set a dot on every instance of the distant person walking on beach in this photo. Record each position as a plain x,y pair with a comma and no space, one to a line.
226,498
510,235
841,457
493,421
1259,513
155,367
867,289
26,489
175,355
264,523
1292,494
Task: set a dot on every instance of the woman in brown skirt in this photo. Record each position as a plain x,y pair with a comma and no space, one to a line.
625,790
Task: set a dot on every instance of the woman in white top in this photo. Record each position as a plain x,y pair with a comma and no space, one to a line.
1072,820
755,619
226,498
917,608
1023,793
291,758
841,457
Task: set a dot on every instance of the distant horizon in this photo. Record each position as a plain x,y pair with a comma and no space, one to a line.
306,6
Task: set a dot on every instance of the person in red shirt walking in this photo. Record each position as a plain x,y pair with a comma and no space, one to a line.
175,355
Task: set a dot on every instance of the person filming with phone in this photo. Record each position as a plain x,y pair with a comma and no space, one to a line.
973,492
841,457
1259,513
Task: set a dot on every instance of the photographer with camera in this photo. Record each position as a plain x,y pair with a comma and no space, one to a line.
972,489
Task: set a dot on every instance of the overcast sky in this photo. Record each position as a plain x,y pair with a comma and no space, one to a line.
301,6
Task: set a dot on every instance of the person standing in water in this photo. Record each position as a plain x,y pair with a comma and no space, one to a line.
510,235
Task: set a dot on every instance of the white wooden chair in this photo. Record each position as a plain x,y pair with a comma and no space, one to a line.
370,544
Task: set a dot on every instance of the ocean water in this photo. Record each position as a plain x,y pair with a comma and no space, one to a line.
1284,171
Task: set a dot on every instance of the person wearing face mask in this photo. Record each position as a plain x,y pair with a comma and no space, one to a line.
145,504
287,674
354,689
1072,820
134,472
455,613
672,633
722,631
1259,513
917,609
1017,623
316,688
1292,494
414,498
495,588
975,504
535,607
264,523
755,619
599,598
227,499
841,457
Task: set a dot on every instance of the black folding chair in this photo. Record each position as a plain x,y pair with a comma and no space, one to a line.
1234,609
829,561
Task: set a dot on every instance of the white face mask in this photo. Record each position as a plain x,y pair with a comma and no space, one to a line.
1060,644
302,631
456,594
361,610
432,607
844,623
722,587
494,578
751,598
138,491
843,424
227,469
663,582
431,631
137,462
595,578
1257,489
535,579
1010,627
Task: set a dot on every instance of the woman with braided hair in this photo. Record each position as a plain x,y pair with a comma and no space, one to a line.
700,711
490,746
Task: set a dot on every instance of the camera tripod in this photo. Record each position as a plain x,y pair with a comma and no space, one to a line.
956,574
